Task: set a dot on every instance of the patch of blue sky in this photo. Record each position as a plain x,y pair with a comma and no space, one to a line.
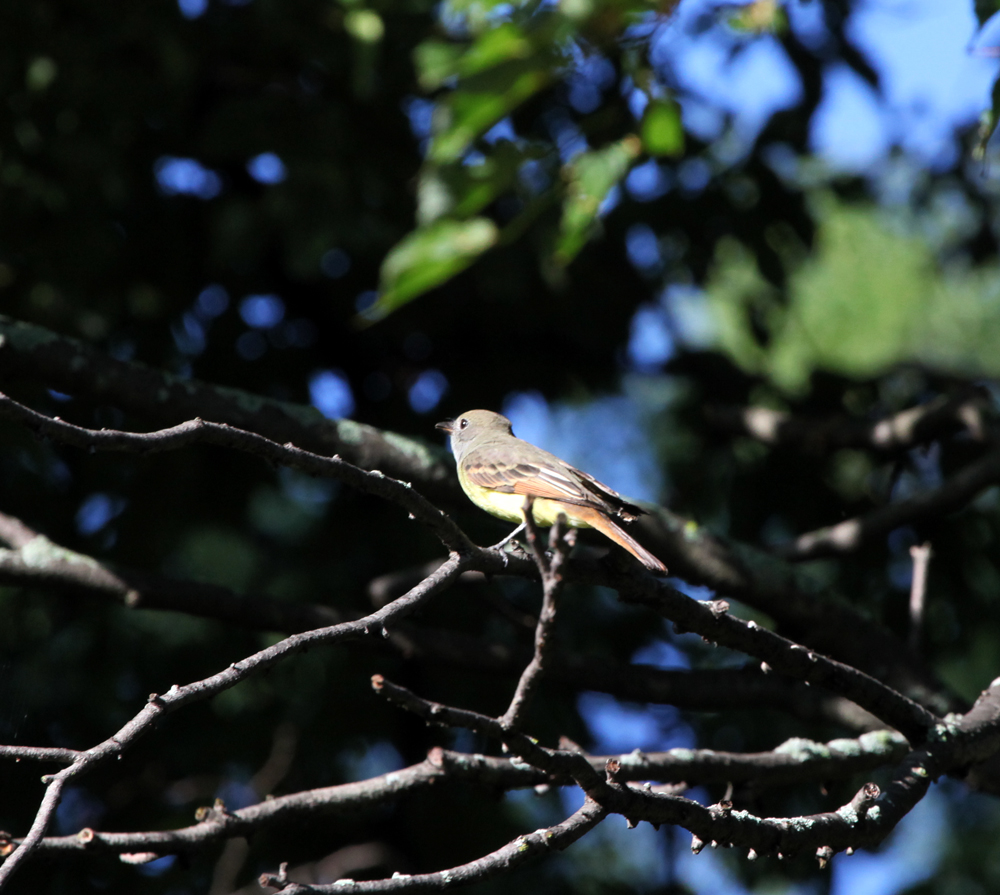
716,69
850,128
502,130
331,394
613,853
211,301
931,82
192,9
692,323
262,311
610,201
663,655
157,866
186,177
420,113
267,168
648,181
427,391
97,510
189,334
619,727
651,343
372,760
910,856
569,139
605,437
77,809
311,494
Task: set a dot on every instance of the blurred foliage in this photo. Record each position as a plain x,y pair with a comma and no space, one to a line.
867,297
531,172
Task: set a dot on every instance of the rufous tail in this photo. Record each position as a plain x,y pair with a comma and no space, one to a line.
622,538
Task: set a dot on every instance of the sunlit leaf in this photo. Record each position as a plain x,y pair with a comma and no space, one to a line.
461,190
590,176
662,132
436,61
427,257
482,100
759,17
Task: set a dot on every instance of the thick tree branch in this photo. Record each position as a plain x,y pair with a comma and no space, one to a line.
733,569
77,368
40,562
852,534
864,822
795,761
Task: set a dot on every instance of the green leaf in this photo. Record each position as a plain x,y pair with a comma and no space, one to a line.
460,191
591,176
436,61
985,9
427,257
482,100
662,132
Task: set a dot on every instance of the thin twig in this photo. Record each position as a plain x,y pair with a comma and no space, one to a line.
921,555
521,850
179,696
713,622
199,431
552,582
42,355
851,534
795,761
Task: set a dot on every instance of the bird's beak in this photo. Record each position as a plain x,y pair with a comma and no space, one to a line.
446,426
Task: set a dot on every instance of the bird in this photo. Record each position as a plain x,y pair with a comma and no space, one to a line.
497,470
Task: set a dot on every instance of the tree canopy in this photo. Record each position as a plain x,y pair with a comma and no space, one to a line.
739,261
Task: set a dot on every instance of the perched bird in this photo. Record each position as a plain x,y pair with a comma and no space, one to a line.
498,471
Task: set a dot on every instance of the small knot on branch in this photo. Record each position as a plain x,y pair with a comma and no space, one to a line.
718,608
824,854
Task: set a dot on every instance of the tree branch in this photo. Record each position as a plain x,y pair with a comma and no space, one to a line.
552,582
198,431
178,696
795,761
816,619
521,850
852,534
942,416
77,368
712,621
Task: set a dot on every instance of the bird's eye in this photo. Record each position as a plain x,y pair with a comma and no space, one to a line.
462,424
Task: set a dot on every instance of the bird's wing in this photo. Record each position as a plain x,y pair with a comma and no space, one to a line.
541,474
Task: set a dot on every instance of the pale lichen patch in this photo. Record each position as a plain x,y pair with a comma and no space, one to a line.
41,553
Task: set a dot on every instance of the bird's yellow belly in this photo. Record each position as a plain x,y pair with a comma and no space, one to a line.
511,506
